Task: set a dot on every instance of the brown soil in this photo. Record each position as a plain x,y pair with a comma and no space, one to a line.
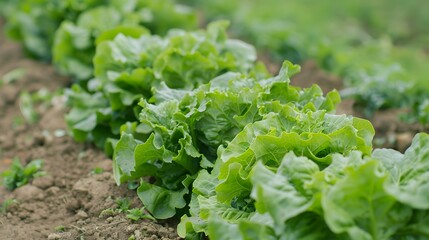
69,196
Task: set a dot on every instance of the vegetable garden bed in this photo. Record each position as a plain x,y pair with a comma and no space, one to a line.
54,205
199,129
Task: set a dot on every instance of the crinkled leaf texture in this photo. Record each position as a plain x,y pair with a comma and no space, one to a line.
134,65
76,39
356,196
359,205
412,185
183,131
244,166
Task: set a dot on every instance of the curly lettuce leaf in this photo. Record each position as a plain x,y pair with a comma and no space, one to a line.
359,205
411,187
185,130
285,188
127,69
267,141
34,23
298,199
162,202
74,43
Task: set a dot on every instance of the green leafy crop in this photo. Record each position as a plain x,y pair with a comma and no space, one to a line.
18,175
75,41
184,131
294,196
202,131
34,22
46,25
128,68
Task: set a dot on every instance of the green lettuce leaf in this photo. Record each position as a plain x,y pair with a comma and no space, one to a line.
186,130
74,43
127,69
359,205
412,185
285,189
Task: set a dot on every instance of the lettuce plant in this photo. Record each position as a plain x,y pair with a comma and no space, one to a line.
74,43
183,132
18,175
383,195
34,22
127,69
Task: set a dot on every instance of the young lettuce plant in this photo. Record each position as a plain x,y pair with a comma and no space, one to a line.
127,69
34,23
18,175
75,41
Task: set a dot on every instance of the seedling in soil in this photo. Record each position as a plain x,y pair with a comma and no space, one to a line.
5,205
18,175
60,228
139,213
108,213
97,170
123,204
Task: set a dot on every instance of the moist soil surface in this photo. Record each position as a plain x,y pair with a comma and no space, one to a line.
67,202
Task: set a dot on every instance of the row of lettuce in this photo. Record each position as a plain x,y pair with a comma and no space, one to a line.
205,133
379,48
